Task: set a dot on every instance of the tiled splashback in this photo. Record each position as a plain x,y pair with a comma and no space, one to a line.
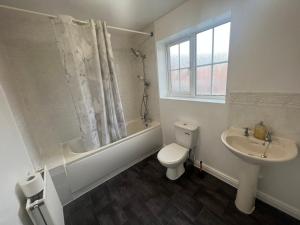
265,99
279,111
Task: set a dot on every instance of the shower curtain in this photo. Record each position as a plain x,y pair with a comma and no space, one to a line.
87,58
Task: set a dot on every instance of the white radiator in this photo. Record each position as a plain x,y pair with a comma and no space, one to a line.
46,208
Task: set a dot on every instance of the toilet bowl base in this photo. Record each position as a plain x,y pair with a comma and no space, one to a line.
175,172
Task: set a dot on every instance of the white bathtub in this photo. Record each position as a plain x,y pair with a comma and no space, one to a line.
86,170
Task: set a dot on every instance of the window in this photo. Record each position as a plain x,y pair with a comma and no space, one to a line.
180,68
198,65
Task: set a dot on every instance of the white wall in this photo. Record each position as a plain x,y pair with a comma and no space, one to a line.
126,65
16,105
264,57
14,165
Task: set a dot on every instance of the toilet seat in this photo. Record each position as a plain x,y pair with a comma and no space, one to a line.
172,154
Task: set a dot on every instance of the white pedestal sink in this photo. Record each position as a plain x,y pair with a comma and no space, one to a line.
255,153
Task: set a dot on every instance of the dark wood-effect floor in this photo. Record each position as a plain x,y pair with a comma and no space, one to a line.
143,195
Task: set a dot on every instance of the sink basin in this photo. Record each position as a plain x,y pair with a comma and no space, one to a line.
253,150
255,153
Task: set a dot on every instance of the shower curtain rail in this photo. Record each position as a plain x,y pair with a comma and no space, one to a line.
75,20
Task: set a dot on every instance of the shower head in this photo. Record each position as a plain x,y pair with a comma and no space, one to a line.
137,53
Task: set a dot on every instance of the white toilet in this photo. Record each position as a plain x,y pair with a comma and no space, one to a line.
174,155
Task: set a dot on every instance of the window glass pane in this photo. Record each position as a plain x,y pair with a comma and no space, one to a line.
174,57
204,47
221,42
175,81
219,79
203,80
185,80
185,54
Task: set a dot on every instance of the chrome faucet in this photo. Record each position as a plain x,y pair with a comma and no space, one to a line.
268,140
268,137
246,132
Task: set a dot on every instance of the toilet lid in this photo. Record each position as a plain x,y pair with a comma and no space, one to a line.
172,153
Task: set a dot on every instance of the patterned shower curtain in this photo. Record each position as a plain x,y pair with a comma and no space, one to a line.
87,58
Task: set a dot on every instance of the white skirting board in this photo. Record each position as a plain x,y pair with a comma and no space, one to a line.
276,203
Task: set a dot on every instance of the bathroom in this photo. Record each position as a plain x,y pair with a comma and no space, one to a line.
133,178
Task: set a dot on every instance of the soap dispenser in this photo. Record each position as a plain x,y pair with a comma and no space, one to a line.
260,131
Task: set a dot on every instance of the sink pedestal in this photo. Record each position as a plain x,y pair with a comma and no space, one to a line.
245,198
249,150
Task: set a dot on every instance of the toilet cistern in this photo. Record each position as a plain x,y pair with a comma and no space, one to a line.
174,155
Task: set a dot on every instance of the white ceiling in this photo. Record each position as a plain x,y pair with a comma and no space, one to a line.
133,14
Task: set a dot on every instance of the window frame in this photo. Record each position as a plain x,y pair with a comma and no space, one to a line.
192,38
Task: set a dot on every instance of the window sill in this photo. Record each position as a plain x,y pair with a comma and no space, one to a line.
207,100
